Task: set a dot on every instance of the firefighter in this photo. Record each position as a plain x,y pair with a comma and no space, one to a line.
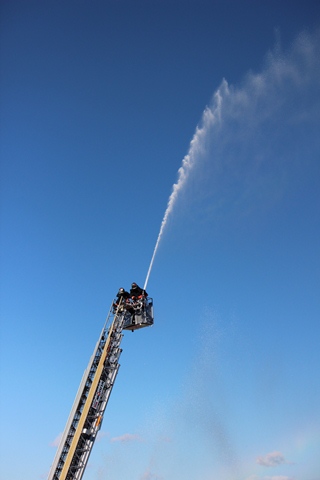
137,293
122,298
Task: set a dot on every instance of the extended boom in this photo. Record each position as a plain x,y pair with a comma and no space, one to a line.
86,415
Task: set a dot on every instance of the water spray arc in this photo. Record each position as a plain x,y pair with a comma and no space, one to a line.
210,116
232,112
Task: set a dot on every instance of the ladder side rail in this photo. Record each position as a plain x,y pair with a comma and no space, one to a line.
80,425
78,403
87,440
88,449
95,414
73,418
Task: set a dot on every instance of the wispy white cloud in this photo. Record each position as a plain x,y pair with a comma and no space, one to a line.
274,477
126,437
278,477
56,441
101,434
272,459
148,475
165,439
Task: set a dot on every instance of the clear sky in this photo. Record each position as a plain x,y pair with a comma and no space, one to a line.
99,103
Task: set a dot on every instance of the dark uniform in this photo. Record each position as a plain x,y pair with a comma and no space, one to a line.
122,297
136,292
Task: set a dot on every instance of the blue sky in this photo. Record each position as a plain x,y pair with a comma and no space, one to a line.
99,104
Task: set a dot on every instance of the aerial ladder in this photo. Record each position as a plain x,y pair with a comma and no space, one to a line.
87,412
